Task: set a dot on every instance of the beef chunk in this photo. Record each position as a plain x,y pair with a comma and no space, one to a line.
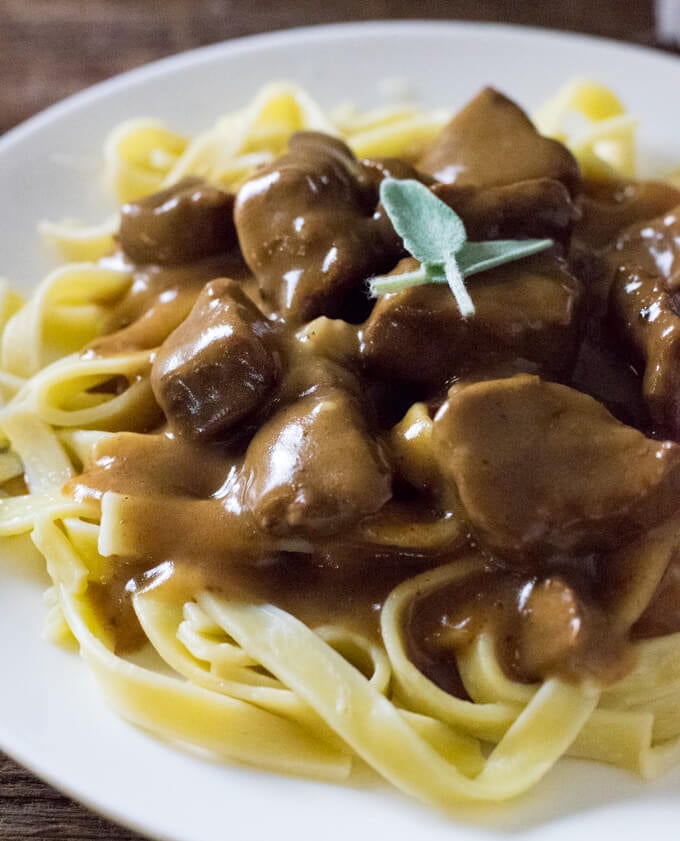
528,209
552,627
492,142
607,207
377,169
309,229
314,469
645,307
218,366
541,469
524,311
184,223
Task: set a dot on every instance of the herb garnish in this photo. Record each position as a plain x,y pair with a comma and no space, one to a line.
435,235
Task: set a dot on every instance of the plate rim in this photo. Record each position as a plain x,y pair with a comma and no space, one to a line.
262,40
205,54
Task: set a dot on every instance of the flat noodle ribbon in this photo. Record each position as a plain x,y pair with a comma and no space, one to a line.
251,682
373,726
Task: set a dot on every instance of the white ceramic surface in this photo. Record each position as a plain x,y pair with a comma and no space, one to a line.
51,716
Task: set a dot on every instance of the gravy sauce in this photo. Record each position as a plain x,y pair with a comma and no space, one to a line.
205,493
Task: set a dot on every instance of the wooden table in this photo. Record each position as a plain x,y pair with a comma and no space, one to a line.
51,48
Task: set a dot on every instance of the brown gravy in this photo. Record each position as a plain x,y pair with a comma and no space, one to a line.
547,619
540,626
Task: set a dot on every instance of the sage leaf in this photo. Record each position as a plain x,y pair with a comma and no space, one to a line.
454,277
431,231
475,257
396,282
435,235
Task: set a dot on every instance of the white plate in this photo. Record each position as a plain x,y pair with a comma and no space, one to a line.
51,716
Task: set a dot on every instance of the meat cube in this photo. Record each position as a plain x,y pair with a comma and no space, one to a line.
218,367
645,307
310,230
541,468
491,142
607,207
524,311
528,209
314,469
552,627
188,221
377,169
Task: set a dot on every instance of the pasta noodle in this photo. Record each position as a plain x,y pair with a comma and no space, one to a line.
244,679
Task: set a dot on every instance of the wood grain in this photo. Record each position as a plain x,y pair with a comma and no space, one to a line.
31,809
51,48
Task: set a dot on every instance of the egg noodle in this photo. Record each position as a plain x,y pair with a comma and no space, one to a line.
250,682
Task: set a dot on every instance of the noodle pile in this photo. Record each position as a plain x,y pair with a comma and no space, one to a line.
250,682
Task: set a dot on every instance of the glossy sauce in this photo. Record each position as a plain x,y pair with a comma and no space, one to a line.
541,626
158,300
303,551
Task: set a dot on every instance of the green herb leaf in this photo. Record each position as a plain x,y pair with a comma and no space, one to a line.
475,257
435,235
454,277
396,282
430,229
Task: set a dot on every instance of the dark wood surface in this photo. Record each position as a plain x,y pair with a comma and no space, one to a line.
51,48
